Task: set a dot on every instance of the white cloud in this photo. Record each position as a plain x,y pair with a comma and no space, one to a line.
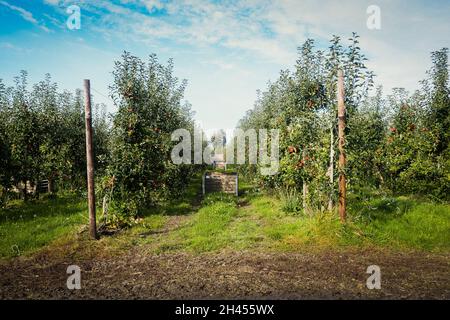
23,13
238,26
26,15
8,45
52,2
398,53
151,5
229,49
16,49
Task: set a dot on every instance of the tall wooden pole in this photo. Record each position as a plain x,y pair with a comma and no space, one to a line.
342,157
90,159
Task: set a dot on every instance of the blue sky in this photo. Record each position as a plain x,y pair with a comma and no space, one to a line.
225,49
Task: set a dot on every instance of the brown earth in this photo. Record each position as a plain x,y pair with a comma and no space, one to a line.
227,275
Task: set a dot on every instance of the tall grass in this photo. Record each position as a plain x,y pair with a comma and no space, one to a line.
290,199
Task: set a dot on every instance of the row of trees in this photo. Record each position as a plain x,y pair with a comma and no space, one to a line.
398,143
150,106
42,136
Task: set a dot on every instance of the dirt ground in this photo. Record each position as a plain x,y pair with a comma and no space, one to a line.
228,275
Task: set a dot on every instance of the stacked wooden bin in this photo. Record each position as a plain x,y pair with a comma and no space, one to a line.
226,182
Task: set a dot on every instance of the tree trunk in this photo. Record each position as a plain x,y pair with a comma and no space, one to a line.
50,187
36,190
331,168
305,186
24,192
105,207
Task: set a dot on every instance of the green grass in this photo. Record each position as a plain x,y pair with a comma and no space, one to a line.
206,230
28,226
258,221
252,221
423,226
25,227
400,223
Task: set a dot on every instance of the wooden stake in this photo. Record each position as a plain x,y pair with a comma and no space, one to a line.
90,159
342,157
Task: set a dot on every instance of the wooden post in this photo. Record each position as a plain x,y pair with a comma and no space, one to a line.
90,159
342,158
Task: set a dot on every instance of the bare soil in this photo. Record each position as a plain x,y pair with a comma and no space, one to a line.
229,275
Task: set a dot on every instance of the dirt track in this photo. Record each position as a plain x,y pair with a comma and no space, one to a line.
248,275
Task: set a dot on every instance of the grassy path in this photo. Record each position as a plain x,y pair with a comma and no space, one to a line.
227,247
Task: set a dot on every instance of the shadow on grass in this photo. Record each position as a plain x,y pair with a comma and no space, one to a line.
47,207
382,209
187,202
